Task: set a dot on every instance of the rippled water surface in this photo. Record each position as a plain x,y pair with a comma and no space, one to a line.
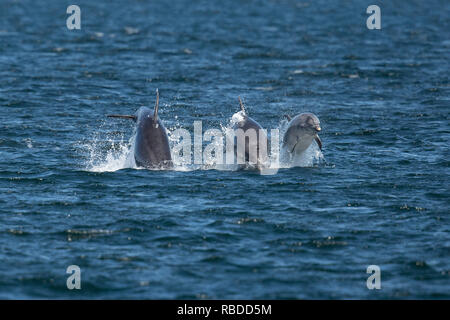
70,196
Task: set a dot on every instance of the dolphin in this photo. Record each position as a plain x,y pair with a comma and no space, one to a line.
252,152
301,131
151,146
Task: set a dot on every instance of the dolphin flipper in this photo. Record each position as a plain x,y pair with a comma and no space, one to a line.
122,116
318,141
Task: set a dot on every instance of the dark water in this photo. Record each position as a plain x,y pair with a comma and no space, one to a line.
381,198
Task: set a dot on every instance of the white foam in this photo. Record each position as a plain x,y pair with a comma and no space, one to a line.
236,118
116,153
116,158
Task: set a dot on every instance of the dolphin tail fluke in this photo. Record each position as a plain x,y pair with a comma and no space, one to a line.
155,115
122,116
241,104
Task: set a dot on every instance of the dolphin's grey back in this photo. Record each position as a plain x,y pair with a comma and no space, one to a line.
245,124
152,143
291,136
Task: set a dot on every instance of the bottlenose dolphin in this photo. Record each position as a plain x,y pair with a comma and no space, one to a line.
151,146
255,139
301,131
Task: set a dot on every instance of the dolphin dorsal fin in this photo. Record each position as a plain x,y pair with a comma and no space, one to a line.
241,104
155,115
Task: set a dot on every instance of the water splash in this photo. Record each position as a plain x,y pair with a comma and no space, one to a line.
108,152
119,156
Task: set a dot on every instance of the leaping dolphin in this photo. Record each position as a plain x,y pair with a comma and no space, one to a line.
252,151
301,131
151,146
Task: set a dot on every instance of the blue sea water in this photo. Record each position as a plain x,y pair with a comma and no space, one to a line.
69,196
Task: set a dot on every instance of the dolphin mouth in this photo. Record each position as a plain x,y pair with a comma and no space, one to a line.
318,128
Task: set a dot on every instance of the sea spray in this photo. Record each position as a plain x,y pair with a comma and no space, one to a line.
111,151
